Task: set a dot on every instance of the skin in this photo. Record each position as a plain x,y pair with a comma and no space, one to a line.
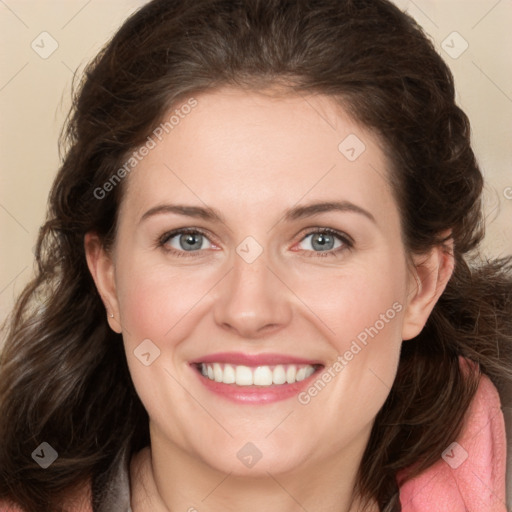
252,157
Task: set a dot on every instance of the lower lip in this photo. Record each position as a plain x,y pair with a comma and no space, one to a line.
256,394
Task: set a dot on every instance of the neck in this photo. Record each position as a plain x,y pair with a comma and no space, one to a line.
188,484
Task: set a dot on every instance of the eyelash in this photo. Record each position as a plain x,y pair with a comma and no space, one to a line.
345,239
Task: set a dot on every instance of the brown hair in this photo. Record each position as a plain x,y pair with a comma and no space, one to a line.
64,374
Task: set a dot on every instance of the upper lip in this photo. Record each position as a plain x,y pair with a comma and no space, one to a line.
238,358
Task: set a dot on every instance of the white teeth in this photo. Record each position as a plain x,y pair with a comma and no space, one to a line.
309,371
279,375
291,372
301,374
263,376
217,372
258,376
243,376
229,374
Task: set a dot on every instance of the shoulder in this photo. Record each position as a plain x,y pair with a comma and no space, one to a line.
470,473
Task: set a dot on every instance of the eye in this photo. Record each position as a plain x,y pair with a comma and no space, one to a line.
186,241
183,241
327,242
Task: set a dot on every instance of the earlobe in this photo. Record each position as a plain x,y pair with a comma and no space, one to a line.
101,268
429,276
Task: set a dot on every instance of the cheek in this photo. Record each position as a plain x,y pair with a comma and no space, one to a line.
356,302
361,311
155,300
357,381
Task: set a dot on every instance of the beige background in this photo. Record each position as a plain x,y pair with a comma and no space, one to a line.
35,92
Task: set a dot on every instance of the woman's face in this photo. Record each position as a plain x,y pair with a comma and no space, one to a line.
255,291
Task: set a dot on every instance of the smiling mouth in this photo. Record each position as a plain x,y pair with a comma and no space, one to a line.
263,376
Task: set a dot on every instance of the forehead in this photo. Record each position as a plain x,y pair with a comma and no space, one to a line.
251,152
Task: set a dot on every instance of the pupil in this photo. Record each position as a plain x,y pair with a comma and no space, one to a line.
189,239
322,240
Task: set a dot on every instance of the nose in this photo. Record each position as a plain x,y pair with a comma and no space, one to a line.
252,301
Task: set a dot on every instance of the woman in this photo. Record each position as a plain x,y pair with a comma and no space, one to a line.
254,288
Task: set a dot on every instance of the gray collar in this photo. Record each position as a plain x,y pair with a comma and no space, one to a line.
117,496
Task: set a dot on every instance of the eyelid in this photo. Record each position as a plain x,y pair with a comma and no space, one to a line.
335,232
347,240
163,239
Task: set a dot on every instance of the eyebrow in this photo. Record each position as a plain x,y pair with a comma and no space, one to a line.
295,213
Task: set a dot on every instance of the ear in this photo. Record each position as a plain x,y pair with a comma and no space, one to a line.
101,268
428,278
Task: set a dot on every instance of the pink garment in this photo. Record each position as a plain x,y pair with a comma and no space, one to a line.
469,477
